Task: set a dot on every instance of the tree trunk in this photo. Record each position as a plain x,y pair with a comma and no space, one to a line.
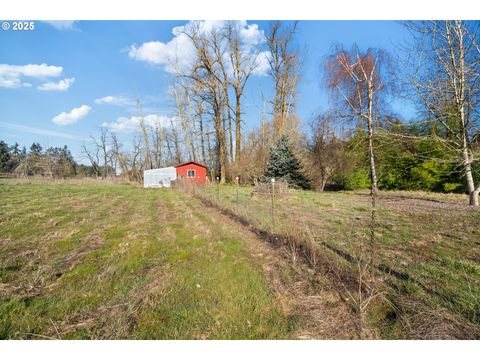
169,150
193,135
472,192
322,185
105,163
230,133
209,148
373,171
460,99
184,125
229,117
160,147
148,158
200,120
238,135
221,153
371,158
178,157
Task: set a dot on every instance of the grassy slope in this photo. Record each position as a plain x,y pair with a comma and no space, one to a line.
113,261
430,237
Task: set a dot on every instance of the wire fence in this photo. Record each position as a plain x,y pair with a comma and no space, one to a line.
331,230
265,207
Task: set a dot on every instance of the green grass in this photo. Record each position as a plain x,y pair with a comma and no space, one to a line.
116,261
104,261
437,246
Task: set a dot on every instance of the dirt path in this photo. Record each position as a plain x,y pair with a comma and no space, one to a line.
310,298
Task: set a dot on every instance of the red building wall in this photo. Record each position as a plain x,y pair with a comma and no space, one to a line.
184,171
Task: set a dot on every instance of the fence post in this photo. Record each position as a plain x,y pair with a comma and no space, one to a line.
273,202
212,195
218,191
237,195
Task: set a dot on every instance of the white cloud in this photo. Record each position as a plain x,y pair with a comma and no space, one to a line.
115,100
62,85
34,70
181,50
11,83
130,125
73,116
61,24
251,35
263,64
11,75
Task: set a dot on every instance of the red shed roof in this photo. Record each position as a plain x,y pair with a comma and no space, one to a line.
191,162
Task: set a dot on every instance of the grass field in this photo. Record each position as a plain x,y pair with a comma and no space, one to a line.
428,245
84,261
116,261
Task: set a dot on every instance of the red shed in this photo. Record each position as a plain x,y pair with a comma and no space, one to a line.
192,172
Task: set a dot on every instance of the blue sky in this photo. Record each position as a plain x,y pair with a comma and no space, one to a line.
76,65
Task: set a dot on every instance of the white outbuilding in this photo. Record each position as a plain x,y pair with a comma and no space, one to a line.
159,177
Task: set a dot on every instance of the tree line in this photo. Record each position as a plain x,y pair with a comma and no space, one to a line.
357,142
53,162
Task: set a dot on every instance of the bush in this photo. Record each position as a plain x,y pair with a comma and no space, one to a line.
358,179
451,187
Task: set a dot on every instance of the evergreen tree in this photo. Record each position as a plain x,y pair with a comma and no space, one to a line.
15,158
15,150
36,149
284,165
4,156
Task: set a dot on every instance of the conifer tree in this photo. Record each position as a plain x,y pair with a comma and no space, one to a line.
284,165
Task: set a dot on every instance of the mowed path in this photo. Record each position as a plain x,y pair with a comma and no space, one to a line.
119,262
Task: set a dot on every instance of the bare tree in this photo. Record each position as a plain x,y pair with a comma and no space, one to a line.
243,64
216,39
158,143
182,91
102,146
212,86
357,82
170,157
148,157
207,72
446,76
93,157
120,157
136,161
192,123
186,116
285,67
101,152
176,143
324,157
199,114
